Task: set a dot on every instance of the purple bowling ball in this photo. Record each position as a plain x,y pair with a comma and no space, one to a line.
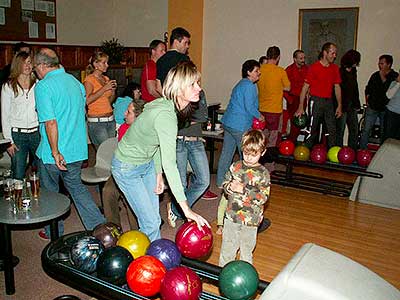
166,251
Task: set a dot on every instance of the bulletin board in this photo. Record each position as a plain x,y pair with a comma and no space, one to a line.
28,20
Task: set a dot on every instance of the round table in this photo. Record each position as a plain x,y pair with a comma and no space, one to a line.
48,208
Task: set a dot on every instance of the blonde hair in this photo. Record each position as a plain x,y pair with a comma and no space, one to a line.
96,57
178,79
253,142
16,70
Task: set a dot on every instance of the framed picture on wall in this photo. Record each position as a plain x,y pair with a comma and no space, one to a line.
318,26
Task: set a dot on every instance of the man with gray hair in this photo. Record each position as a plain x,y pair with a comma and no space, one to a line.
60,103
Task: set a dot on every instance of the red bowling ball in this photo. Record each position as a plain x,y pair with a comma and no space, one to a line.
181,283
318,155
193,242
258,124
346,155
286,147
144,275
364,157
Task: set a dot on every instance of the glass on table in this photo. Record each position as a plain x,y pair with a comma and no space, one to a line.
35,184
8,188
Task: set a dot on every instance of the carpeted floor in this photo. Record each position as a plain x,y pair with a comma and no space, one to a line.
31,281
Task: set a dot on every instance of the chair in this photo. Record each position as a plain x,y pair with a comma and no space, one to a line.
101,171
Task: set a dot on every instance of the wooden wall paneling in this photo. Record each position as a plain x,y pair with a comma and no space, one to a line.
68,56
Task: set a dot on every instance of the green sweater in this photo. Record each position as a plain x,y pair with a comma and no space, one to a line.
153,137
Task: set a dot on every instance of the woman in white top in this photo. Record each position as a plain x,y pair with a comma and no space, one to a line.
18,115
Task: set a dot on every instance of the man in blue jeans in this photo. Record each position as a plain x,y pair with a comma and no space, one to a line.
60,103
375,97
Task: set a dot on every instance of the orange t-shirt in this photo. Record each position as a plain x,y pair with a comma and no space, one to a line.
272,81
102,105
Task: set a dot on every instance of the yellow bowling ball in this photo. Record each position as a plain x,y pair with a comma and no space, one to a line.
333,154
302,153
135,242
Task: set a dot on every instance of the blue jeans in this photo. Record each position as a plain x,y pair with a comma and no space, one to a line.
101,131
138,184
232,141
370,119
26,143
88,211
350,118
195,153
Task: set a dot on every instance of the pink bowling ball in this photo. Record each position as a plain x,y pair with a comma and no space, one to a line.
346,155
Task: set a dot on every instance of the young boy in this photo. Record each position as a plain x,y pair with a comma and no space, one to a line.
247,187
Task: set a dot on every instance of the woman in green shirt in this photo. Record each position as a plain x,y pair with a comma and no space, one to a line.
149,146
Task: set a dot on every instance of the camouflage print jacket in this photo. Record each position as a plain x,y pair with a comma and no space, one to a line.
247,207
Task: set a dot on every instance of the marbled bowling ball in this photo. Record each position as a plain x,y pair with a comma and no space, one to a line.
165,251
364,157
238,280
346,155
107,233
135,242
144,275
286,147
181,283
193,242
301,153
318,154
112,265
300,121
85,253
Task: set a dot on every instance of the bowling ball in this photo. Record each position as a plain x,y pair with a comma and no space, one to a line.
181,283
85,252
112,265
165,251
333,154
318,155
107,233
238,280
302,153
144,275
286,147
364,157
300,121
135,242
193,242
258,124
346,155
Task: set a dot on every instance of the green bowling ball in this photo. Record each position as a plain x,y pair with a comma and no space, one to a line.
300,121
238,280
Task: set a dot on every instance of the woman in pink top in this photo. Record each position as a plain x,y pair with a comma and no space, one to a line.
100,93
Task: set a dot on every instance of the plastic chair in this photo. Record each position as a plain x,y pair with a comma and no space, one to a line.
101,171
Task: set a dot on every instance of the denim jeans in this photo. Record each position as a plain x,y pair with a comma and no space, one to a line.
26,143
232,141
370,119
351,120
195,153
101,131
138,184
87,210
392,125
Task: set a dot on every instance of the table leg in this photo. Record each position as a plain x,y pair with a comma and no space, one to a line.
8,259
54,230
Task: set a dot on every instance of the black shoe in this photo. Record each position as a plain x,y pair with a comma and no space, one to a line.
264,225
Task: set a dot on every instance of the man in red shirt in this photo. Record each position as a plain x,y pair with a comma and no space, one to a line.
296,73
149,72
322,77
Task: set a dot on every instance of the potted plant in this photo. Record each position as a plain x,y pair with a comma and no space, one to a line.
114,49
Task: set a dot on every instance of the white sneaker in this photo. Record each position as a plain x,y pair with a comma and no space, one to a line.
171,216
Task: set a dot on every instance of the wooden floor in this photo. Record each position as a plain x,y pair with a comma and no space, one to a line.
370,235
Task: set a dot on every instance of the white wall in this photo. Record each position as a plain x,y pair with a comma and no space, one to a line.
134,22
236,30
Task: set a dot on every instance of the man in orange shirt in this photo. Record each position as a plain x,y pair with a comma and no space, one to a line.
272,83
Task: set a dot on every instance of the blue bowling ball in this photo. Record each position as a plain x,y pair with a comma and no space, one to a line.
165,251
85,252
